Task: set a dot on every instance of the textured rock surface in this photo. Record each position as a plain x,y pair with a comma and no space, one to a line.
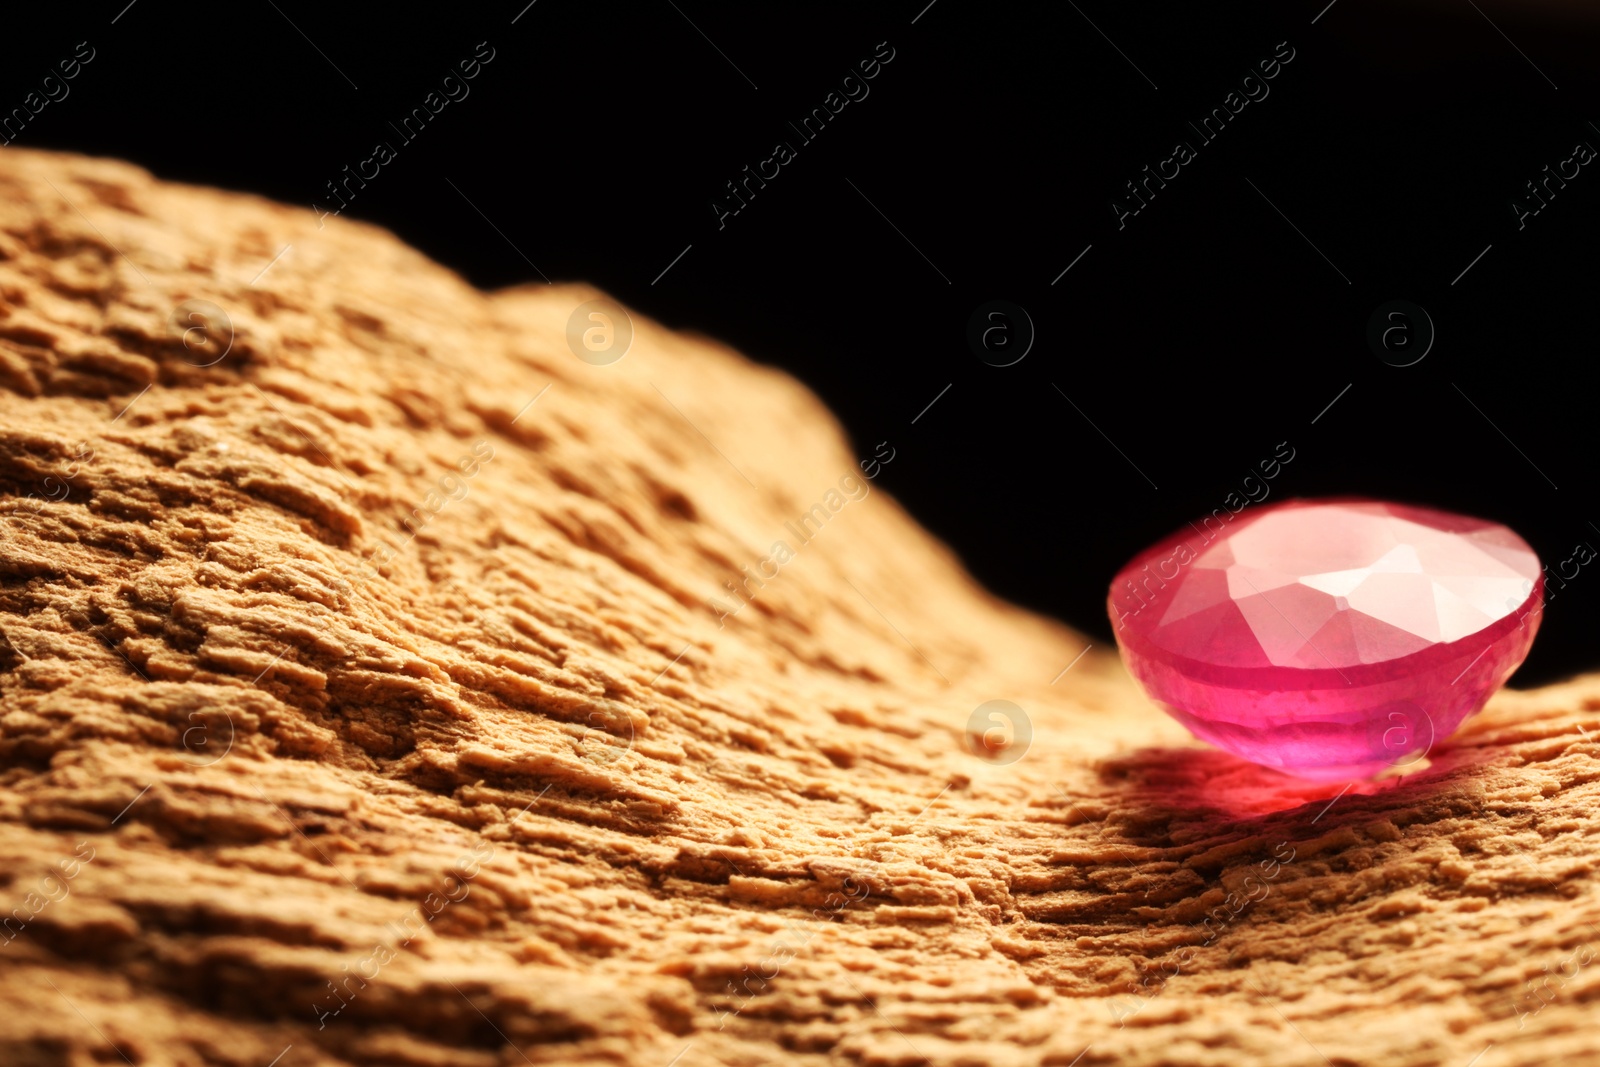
279,775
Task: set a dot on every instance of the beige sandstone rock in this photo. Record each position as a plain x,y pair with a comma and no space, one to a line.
514,796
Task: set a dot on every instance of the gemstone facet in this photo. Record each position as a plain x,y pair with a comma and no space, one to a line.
1329,639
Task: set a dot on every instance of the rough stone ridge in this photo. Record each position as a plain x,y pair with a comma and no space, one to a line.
279,779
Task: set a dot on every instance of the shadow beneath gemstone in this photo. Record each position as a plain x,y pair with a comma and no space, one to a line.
1205,784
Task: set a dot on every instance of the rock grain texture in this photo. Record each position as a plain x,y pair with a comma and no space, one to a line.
361,703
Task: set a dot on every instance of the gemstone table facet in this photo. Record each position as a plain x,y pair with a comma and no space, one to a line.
1330,639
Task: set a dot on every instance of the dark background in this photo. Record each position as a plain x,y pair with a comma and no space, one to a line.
1196,338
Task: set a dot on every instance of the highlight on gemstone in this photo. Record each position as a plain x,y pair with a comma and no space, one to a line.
1330,639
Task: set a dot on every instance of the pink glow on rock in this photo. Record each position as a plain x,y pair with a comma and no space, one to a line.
1329,639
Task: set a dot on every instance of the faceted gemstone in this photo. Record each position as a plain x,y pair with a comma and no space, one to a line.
1329,639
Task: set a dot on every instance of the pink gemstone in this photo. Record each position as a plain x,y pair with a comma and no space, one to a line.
1330,639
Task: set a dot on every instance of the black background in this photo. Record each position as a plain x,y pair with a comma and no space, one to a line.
1196,338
